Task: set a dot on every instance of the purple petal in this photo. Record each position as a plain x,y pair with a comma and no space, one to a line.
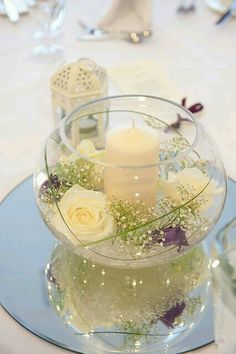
173,236
183,102
170,316
55,181
52,182
197,107
175,125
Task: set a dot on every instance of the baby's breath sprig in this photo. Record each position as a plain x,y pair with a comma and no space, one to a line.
186,212
79,172
171,147
67,174
202,165
131,218
142,228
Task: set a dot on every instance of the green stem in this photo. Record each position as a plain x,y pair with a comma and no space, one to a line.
152,221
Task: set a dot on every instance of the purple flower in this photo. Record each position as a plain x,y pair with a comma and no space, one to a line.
170,316
172,236
195,108
52,183
55,181
180,119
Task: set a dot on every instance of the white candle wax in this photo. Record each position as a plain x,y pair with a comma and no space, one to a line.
132,146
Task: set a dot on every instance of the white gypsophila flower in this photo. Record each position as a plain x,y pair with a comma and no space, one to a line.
85,216
189,178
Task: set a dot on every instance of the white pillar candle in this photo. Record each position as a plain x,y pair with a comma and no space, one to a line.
132,146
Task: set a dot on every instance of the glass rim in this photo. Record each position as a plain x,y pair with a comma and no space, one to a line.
223,232
190,148
222,266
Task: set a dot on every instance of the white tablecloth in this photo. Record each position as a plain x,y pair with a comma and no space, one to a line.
198,57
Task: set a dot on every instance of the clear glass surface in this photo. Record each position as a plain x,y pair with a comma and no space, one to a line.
137,192
129,310
224,275
130,205
50,22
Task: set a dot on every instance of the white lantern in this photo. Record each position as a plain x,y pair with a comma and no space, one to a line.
75,84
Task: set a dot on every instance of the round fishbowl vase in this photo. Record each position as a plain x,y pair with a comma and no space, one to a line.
130,207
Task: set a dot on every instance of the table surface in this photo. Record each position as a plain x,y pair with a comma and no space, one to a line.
198,59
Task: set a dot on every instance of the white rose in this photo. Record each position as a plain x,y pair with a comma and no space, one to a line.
84,212
85,148
189,177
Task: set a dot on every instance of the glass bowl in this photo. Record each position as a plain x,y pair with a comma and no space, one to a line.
130,196
223,267
130,190
129,310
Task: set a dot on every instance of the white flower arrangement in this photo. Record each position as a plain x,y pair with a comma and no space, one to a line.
85,216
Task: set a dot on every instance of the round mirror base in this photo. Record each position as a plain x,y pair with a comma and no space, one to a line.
26,246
